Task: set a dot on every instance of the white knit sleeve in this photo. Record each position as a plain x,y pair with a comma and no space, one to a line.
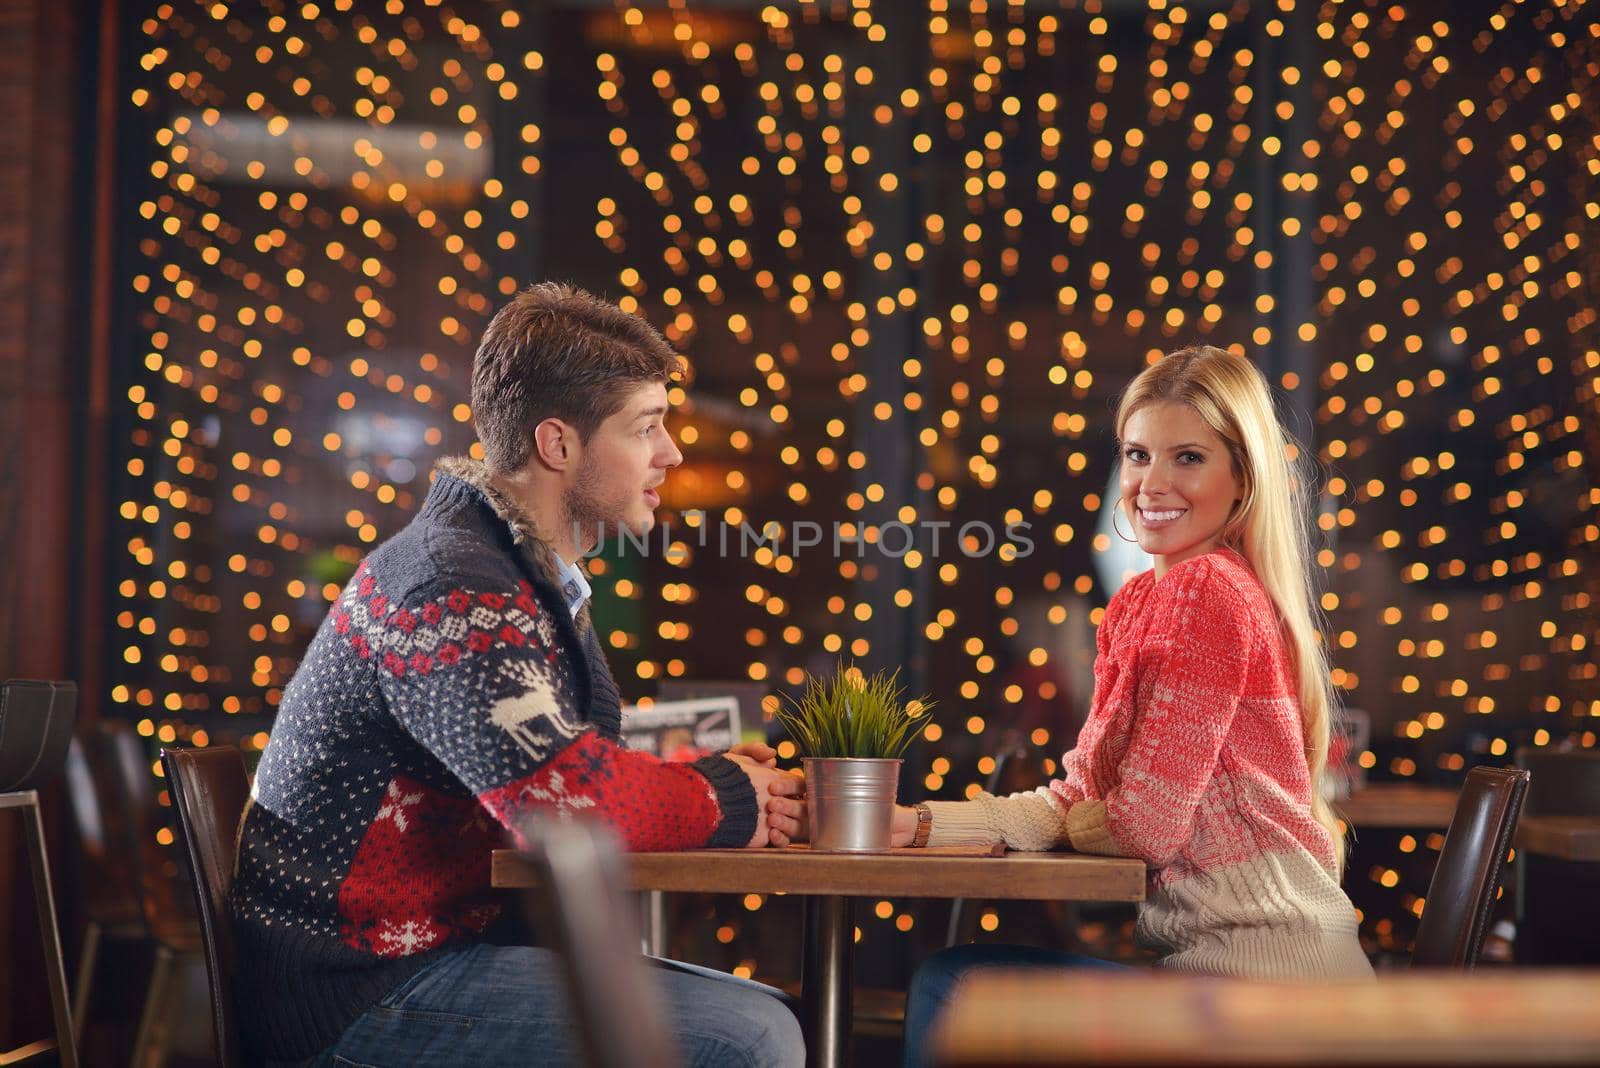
1032,821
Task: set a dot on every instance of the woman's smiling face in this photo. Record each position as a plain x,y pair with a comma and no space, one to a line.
1178,483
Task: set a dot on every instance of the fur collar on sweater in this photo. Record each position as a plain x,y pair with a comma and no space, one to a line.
525,529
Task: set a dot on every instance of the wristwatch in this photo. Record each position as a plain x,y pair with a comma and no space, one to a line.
924,825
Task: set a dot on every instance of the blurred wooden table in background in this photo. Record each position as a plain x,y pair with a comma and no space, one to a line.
1398,804
1503,1018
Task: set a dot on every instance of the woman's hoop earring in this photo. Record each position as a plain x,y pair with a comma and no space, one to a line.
1114,513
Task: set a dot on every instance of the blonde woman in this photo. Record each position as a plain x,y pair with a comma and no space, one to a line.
1204,750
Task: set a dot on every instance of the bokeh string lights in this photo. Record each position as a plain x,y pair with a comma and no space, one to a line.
1455,280
300,371
911,253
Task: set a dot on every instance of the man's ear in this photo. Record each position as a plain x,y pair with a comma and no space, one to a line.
555,443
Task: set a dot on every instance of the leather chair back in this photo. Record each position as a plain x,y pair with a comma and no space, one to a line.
580,903
1462,893
209,791
134,809
36,721
111,874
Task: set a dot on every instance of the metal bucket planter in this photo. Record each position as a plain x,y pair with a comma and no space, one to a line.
850,802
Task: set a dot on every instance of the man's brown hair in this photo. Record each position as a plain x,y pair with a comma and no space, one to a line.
558,352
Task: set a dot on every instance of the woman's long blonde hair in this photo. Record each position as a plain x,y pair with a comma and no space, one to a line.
1270,527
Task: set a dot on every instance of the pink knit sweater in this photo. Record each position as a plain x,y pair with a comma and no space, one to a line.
1193,761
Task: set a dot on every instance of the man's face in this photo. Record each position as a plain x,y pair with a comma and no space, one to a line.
614,483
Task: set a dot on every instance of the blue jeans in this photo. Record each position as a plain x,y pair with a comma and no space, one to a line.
934,982
486,1006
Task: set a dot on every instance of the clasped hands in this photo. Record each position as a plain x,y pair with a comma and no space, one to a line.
781,800
780,795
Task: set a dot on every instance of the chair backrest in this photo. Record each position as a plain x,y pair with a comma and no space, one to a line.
1462,893
111,874
209,791
580,904
87,807
1013,772
120,759
36,721
1565,782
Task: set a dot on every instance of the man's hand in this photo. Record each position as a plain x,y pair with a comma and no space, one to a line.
769,783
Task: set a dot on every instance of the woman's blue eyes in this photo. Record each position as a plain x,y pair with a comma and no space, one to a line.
1139,456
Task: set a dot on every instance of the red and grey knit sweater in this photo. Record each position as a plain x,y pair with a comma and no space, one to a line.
448,692
1193,760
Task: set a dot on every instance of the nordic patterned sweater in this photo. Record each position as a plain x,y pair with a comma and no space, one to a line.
448,692
1192,760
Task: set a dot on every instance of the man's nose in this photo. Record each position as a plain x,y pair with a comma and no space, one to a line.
673,456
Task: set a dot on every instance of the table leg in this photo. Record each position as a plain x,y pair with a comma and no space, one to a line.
827,980
653,921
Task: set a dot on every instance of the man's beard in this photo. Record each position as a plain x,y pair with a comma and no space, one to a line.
586,509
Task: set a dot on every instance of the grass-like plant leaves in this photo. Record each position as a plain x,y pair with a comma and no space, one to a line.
854,715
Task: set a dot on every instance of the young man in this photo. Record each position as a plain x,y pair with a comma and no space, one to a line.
457,684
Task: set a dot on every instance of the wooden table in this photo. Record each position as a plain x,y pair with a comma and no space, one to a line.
830,880
1404,1018
1398,804
1565,837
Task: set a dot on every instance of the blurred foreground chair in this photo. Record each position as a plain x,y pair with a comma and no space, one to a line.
210,789
1503,1018
582,906
1466,882
1558,921
134,891
36,721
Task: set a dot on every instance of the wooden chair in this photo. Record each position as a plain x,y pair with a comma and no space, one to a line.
1462,894
582,905
209,791
36,721
1557,922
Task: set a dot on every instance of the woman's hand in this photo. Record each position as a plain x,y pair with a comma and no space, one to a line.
786,822
786,819
904,826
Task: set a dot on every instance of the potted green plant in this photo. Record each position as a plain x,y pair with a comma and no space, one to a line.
852,731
